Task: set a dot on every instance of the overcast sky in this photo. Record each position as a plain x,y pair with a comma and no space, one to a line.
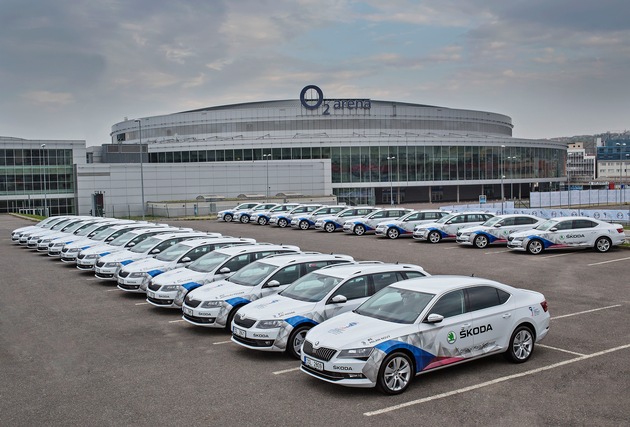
70,69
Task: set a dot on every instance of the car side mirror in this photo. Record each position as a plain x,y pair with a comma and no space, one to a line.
273,284
109,239
185,259
497,225
339,299
155,251
434,318
553,229
224,270
130,245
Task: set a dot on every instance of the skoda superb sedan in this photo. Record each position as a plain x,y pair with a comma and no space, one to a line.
306,221
244,215
215,305
262,218
280,322
283,219
227,215
404,226
448,226
419,325
332,223
368,223
496,230
568,232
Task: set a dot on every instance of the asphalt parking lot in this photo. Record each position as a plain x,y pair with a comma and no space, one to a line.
76,351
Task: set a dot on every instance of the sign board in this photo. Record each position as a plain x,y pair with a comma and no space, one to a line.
482,199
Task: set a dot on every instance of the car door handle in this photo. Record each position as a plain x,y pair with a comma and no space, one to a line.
506,315
466,325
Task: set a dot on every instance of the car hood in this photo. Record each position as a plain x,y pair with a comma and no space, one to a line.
220,290
526,233
475,229
430,225
276,307
181,276
122,256
351,330
148,264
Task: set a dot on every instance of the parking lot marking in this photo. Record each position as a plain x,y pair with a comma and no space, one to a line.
141,303
176,321
606,262
492,382
221,342
112,290
448,249
560,349
497,252
586,311
286,370
91,279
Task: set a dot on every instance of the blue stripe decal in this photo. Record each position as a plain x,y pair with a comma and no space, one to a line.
191,285
84,247
104,253
237,301
125,262
489,236
67,243
154,273
422,358
297,320
546,243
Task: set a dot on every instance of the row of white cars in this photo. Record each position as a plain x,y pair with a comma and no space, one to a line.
519,232
358,324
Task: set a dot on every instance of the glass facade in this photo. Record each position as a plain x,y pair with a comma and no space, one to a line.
34,173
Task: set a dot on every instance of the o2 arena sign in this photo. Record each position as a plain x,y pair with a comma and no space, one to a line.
312,98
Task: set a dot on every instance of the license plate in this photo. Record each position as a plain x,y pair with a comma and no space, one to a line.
239,332
187,311
151,294
313,363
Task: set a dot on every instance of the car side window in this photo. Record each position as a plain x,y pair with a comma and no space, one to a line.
481,297
381,280
314,265
508,221
237,262
583,223
414,217
451,304
381,214
353,288
287,274
525,220
565,225
262,254
201,250
457,219
165,245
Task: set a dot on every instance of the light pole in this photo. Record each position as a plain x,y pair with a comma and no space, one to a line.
141,164
391,183
620,163
512,159
45,195
502,161
267,156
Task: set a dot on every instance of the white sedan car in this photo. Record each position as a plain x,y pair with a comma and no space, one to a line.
420,325
404,226
496,230
280,322
368,223
332,223
568,232
447,227
227,215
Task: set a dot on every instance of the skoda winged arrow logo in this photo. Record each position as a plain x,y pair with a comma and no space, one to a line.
451,337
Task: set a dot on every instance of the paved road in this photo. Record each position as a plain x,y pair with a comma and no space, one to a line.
75,351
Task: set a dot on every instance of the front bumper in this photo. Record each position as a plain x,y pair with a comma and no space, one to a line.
256,339
347,372
106,273
213,317
421,234
464,239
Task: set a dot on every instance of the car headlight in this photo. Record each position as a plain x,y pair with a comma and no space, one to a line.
91,256
270,324
111,264
73,250
137,275
58,245
211,304
356,353
45,241
170,288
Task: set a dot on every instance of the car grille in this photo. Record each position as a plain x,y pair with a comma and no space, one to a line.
154,287
130,287
123,274
160,301
244,323
322,353
191,302
332,376
252,343
200,319
100,264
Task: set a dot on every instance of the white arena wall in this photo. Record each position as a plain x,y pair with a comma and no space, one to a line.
120,182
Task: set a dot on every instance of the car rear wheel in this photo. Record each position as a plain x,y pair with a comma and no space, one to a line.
262,220
330,227
227,218
282,223
521,345
480,241
395,374
535,247
244,219
393,233
435,237
296,339
603,244
304,225
359,230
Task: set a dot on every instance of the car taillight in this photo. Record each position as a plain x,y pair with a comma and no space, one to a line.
620,230
544,306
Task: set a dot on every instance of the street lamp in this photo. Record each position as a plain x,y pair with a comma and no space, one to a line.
391,184
45,195
620,163
512,159
141,164
502,161
267,156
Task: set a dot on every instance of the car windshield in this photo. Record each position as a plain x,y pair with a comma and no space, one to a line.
75,227
395,305
312,288
242,206
60,224
88,229
319,211
146,245
103,234
208,262
404,217
444,219
174,252
546,225
252,274
277,209
492,221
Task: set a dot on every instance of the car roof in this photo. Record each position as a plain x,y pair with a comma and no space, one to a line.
174,234
258,247
366,267
284,259
198,241
516,215
472,212
440,284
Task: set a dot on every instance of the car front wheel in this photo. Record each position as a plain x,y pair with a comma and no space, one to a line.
330,227
535,247
481,241
435,237
282,223
393,233
359,230
244,219
227,218
603,244
304,225
296,339
521,345
262,220
395,374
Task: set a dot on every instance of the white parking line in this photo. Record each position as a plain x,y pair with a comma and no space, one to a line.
91,279
606,262
221,342
560,349
112,290
176,321
448,249
141,303
286,370
584,312
492,382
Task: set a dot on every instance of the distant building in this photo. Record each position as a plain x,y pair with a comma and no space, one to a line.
580,166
